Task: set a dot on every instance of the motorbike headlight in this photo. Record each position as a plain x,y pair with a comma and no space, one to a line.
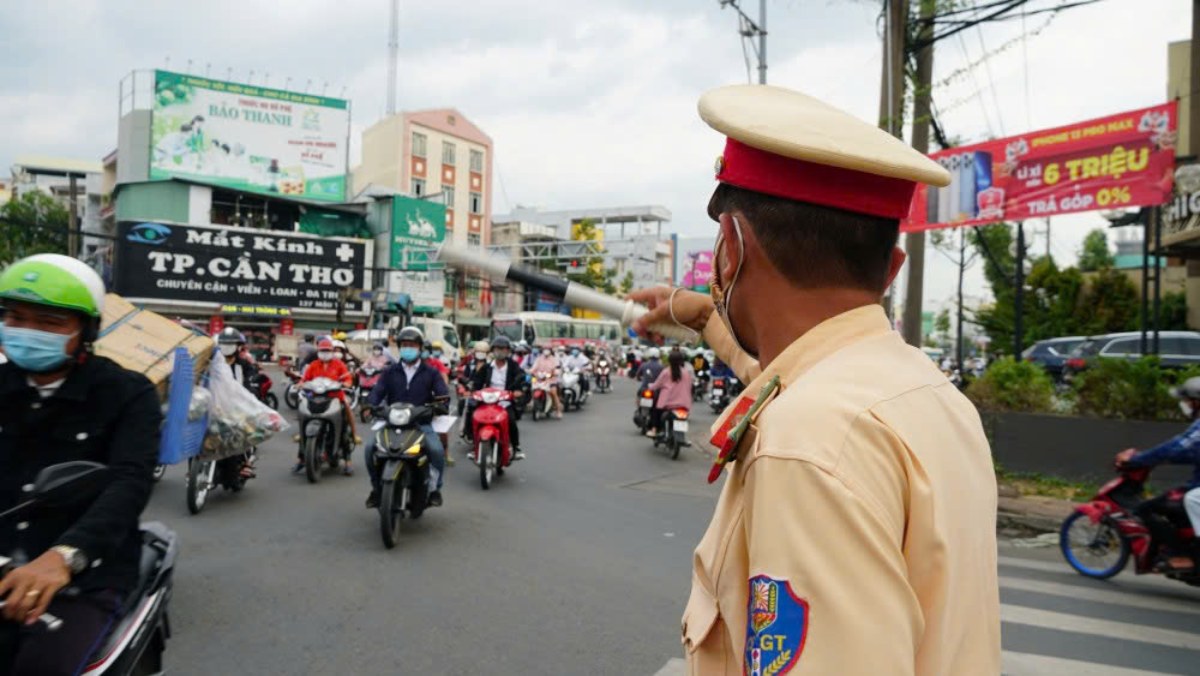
399,417
490,397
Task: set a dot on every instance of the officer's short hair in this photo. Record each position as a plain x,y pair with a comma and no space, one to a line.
815,246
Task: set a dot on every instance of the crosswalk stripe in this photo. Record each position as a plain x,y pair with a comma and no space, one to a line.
1048,619
1031,564
1027,664
1156,581
1124,598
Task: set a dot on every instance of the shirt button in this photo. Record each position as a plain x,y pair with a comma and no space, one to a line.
81,436
27,488
35,405
23,525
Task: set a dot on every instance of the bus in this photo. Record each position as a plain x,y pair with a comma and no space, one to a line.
550,329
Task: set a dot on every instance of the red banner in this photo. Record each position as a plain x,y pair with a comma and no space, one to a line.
1123,160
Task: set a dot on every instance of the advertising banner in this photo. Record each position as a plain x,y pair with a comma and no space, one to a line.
249,138
253,271
1113,162
427,288
1181,217
697,269
418,226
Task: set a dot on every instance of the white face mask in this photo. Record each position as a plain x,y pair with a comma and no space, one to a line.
325,356
378,352
1186,407
229,350
481,356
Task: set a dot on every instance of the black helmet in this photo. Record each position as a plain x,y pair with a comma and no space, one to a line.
1190,389
501,343
411,334
231,336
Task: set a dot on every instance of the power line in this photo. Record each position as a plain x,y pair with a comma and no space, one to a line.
987,65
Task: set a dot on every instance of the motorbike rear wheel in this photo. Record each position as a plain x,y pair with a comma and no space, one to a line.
199,483
489,458
271,400
291,397
389,513
1095,550
312,458
673,444
159,472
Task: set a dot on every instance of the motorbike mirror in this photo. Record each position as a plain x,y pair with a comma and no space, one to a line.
69,483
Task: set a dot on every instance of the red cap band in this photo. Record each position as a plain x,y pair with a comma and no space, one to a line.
821,184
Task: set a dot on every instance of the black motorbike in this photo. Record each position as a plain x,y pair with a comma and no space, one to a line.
603,376
136,643
699,384
400,449
723,390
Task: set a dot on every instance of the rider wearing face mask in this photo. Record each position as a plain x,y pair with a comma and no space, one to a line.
329,366
503,373
58,403
411,381
578,362
232,345
859,476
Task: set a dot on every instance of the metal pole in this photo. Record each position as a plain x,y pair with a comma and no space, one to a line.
1145,281
1156,216
1019,300
762,41
72,220
962,267
393,57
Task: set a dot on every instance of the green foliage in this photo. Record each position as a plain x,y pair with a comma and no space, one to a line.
626,283
591,271
1094,254
1126,389
1173,313
1010,385
1112,304
941,323
32,223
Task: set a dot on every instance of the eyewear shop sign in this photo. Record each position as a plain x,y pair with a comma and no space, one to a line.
235,266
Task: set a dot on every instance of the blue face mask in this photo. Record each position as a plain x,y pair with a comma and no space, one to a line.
36,351
409,354
437,353
425,354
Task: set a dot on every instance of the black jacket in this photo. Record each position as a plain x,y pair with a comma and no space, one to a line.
101,413
513,380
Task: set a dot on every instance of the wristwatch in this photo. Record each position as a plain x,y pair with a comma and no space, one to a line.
75,559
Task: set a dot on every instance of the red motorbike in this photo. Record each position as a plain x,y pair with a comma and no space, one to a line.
367,376
262,389
492,451
1098,538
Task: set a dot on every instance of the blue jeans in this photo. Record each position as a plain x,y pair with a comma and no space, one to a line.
433,446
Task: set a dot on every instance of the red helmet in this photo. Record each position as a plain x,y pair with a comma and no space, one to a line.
324,344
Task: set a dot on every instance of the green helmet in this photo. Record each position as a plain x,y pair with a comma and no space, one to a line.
54,280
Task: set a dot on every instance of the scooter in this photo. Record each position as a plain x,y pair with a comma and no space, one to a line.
641,414
603,376
324,435
541,400
492,449
404,483
722,392
262,390
1099,537
674,431
699,384
366,379
205,475
571,390
137,641
291,396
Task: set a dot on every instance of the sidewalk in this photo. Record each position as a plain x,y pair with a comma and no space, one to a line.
1030,514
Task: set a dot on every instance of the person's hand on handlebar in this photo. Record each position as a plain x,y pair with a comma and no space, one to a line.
28,590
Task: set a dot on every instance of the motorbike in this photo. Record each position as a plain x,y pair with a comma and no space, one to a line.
261,385
137,641
205,475
699,384
674,431
603,376
324,436
404,478
365,381
1100,536
724,389
492,449
571,390
291,396
641,414
541,401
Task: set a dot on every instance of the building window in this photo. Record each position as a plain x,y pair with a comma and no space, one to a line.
448,196
477,161
418,149
418,187
474,238
448,153
476,203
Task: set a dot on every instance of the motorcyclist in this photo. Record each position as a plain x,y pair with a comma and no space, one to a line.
380,358
231,343
470,364
673,387
329,366
649,370
700,362
521,354
341,352
306,351
411,381
577,361
438,352
548,363
59,402
1183,449
503,372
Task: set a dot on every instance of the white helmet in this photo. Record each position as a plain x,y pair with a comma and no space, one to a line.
482,346
653,353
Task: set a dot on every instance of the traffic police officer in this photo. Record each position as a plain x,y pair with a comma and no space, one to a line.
856,531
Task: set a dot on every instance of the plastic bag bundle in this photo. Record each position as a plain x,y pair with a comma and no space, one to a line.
238,421
200,404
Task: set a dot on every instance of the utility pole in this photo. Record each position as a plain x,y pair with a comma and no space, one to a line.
393,57
914,242
749,28
962,269
762,42
891,86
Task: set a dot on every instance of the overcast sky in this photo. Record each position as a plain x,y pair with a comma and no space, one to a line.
591,103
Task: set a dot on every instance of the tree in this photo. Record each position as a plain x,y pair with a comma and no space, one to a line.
32,223
590,271
1112,304
941,326
627,283
1094,255
1174,311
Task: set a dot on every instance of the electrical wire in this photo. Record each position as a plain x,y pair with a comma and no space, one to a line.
987,65
987,119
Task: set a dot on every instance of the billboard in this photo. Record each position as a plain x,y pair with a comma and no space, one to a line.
249,138
255,269
697,269
418,226
1112,162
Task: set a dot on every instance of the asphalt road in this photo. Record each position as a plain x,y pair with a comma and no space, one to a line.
576,562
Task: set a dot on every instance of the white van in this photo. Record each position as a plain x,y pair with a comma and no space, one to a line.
434,330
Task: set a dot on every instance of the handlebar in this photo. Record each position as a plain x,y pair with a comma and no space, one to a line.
52,623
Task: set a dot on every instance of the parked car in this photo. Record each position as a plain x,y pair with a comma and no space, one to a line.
1176,349
1051,354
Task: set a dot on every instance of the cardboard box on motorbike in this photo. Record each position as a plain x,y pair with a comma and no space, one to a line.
144,341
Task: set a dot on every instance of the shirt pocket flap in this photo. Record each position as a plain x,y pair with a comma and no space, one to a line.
699,617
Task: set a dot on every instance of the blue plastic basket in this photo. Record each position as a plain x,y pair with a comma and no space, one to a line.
181,439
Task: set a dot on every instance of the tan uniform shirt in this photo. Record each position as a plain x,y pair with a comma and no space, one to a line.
856,531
